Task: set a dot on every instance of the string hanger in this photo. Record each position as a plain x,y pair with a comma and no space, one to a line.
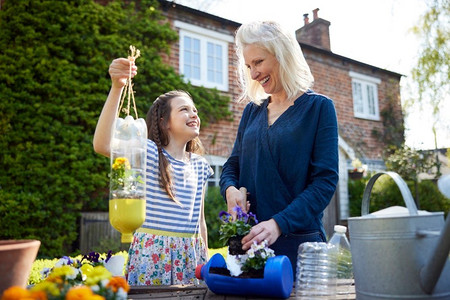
128,89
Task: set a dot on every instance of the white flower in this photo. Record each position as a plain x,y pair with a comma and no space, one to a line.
95,288
115,265
121,294
74,274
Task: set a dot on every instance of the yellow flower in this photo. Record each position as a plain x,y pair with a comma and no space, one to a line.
141,278
98,274
82,293
47,287
356,163
63,271
121,162
86,269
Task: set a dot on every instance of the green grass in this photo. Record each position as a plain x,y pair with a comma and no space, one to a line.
40,264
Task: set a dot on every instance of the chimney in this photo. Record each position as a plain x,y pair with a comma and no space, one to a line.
316,13
306,19
316,33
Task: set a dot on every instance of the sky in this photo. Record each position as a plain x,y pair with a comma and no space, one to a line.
375,32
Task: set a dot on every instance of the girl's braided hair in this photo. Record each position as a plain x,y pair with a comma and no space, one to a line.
157,118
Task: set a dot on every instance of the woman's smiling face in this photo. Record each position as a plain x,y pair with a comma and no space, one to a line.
264,68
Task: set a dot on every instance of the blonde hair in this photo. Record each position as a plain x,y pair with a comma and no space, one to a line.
295,74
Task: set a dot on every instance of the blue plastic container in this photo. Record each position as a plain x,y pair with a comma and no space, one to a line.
277,282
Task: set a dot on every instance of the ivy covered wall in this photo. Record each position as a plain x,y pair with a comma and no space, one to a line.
53,83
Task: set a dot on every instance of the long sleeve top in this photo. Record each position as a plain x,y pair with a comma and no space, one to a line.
290,169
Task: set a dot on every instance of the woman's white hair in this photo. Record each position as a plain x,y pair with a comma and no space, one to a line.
295,74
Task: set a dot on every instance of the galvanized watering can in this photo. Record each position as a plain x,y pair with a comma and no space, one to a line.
399,252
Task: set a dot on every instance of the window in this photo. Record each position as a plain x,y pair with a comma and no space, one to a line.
215,178
204,56
365,96
216,163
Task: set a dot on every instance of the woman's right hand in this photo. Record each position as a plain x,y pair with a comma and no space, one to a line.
119,70
235,198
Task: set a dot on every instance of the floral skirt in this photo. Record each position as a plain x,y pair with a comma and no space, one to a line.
164,260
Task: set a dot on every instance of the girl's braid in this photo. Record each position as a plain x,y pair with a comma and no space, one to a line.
165,179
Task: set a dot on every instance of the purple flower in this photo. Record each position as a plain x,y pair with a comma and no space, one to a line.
253,216
108,256
240,215
92,257
225,216
69,261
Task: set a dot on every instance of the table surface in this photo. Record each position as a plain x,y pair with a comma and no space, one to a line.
201,292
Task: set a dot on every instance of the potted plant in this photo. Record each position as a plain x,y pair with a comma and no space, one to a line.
233,230
357,171
256,259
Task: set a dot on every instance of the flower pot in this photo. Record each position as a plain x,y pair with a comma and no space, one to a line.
16,260
277,282
355,175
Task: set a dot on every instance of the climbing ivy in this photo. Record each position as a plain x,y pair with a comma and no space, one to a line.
53,83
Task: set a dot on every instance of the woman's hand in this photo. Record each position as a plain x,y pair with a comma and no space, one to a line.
119,70
235,198
267,230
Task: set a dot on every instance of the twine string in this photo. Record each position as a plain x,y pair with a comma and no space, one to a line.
128,89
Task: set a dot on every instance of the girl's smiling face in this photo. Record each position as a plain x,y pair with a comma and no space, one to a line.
264,68
184,123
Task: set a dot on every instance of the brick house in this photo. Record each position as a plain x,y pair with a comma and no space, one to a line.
360,91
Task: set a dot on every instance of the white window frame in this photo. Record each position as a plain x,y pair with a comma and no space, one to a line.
366,83
205,36
216,162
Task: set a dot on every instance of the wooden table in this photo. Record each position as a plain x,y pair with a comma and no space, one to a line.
189,292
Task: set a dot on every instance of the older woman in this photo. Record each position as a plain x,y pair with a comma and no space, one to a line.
286,148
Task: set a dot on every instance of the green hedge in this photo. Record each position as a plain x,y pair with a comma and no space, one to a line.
53,83
385,193
214,204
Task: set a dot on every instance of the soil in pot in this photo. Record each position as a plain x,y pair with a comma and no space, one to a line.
252,273
235,245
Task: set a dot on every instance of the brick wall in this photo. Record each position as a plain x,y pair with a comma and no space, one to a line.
331,73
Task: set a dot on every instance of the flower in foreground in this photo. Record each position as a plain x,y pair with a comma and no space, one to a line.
74,279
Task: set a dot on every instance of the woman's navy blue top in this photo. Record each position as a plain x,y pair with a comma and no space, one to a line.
290,169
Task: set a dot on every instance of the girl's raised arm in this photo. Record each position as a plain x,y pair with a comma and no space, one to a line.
119,70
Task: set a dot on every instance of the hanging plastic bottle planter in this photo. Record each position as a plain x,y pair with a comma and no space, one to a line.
127,184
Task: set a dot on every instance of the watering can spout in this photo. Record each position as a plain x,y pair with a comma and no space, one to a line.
430,273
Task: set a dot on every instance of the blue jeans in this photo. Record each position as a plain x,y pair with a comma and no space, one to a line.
288,245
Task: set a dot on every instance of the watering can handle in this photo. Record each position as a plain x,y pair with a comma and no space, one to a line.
406,194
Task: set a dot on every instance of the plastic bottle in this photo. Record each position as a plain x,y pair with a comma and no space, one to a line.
277,281
316,271
343,258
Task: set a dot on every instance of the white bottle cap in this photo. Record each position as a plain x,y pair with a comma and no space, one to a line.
340,228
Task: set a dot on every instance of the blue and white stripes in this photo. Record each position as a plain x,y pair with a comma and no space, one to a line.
163,214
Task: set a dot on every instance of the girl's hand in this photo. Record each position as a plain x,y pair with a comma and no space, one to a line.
119,70
235,198
267,230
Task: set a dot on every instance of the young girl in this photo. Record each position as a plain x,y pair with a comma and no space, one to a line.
173,239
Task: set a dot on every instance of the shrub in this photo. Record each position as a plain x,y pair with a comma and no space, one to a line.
214,204
53,84
385,193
